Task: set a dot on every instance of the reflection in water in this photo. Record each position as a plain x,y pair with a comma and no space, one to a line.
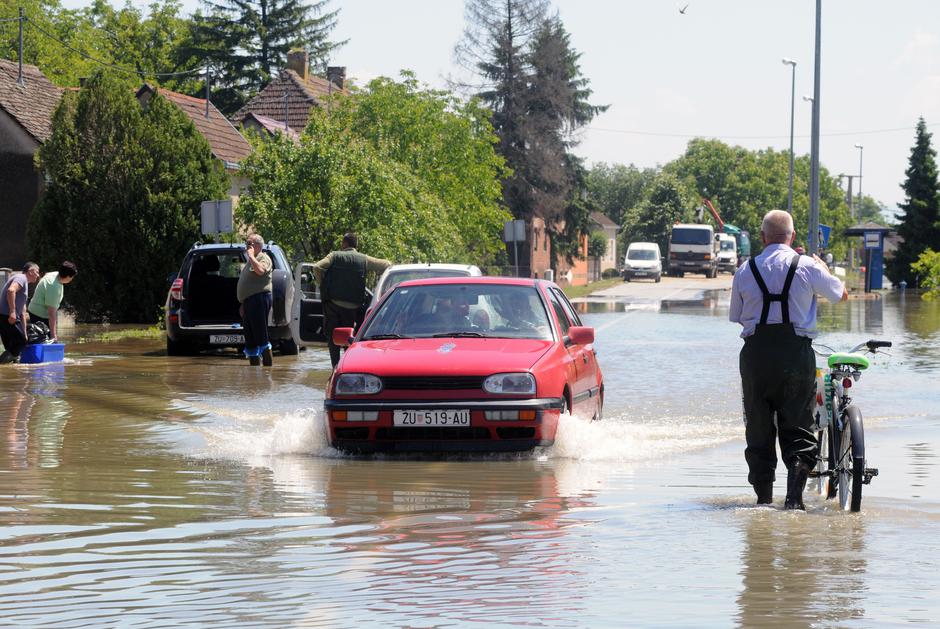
34,414
802,570
923,460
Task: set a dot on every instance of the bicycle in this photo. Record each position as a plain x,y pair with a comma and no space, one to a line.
840,446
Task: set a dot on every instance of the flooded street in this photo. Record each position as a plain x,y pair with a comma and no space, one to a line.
147,491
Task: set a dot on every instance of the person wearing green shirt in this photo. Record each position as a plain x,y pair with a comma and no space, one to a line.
47,296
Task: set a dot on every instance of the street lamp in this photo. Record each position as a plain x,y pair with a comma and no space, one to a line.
792,64
861,149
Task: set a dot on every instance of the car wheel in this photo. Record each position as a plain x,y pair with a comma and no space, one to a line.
288,347
177,348
659,278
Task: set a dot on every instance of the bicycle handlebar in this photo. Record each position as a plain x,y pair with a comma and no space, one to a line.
873,344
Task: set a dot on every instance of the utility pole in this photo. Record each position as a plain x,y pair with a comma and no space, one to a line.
19,80
208,87
848,198
813,244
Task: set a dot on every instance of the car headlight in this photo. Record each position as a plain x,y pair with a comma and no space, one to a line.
357,384
510,383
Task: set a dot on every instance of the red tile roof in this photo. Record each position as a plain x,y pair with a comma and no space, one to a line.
270,125
226,142
32,104
602,220
302,96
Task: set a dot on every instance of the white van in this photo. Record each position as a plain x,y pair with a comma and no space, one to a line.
693,248
727,253
642,259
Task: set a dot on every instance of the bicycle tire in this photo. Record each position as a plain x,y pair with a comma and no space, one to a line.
851,460
825,462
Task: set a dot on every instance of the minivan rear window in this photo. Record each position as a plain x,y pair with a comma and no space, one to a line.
687,236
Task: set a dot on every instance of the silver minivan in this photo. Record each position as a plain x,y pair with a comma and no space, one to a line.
643,260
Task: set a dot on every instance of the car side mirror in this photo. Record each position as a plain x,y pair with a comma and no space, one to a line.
581,335
342,336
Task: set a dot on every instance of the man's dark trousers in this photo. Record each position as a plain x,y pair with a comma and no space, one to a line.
336,317
778,375
255,322
12,336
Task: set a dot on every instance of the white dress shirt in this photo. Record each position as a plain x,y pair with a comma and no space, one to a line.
811,278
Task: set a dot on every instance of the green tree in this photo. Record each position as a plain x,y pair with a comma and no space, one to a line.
617,188
597,249
247,40
125,185
652,221
307,195
443,141
920,219
927,267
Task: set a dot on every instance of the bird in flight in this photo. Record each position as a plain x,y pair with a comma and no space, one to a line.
682,10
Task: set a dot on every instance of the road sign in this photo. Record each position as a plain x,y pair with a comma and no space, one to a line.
823,239
217,217
514,231
872,240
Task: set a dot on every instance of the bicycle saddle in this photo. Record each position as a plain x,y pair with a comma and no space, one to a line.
856,360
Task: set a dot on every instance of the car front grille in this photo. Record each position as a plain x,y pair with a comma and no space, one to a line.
442,433
423,383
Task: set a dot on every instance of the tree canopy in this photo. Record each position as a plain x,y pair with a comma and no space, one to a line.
124,190
413,170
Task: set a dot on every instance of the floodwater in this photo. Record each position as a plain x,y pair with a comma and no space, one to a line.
142,491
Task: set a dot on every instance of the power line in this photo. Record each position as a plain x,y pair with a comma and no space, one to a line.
749,137
112,66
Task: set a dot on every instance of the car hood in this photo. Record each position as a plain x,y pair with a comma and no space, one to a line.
443,356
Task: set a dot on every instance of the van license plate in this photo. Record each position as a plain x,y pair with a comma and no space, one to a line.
432,418
226,339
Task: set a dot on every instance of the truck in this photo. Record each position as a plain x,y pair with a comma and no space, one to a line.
741,237
693,248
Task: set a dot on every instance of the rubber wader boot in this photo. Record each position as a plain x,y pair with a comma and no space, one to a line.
266,359
254,361
765,493
796,483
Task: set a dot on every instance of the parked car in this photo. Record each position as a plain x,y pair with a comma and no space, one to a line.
458,364
727,253
398,273
693,248
202,307
642,259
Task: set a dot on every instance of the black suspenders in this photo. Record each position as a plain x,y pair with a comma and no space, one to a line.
783,297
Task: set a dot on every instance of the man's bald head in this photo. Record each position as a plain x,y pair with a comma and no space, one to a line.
777,228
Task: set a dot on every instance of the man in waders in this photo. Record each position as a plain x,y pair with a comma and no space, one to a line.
254,292
342,279
773,297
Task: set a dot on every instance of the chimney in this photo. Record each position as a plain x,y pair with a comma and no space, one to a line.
299,61
337,75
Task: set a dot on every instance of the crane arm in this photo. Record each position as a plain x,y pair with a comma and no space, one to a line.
711,208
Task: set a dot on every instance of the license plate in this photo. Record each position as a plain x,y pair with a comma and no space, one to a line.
431,418
226,339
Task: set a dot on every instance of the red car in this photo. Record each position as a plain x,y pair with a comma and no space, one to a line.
463,364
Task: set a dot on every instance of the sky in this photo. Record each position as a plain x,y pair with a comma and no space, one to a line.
714,71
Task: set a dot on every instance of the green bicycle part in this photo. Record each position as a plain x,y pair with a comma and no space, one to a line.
856,360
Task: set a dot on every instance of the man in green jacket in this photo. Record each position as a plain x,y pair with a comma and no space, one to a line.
341,276
47,296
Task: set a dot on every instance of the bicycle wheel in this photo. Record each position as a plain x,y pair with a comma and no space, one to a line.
825,461
851,460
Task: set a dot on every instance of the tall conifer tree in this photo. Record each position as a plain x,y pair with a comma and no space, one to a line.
920,222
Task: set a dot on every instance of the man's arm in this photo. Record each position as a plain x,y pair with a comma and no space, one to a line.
737,303
52,314
320,267
827,284
377,265
11,302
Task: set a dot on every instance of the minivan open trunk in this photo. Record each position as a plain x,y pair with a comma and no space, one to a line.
211,289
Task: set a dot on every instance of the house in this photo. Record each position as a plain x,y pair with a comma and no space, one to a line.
268,126
228,145
600,223
294,93
26,109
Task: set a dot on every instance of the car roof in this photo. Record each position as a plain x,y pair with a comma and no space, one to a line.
643,245
484,280
470,268
200,246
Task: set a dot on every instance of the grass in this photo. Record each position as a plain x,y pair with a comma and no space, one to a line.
582,291
109,336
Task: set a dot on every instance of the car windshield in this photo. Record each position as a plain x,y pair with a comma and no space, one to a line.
689,236
394,278
727,245
455,310
641,254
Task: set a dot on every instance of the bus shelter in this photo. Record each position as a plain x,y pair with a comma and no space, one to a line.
873,243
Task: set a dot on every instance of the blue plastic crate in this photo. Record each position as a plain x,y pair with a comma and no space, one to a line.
47,353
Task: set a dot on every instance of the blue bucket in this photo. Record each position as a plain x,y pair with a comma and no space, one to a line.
43,353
